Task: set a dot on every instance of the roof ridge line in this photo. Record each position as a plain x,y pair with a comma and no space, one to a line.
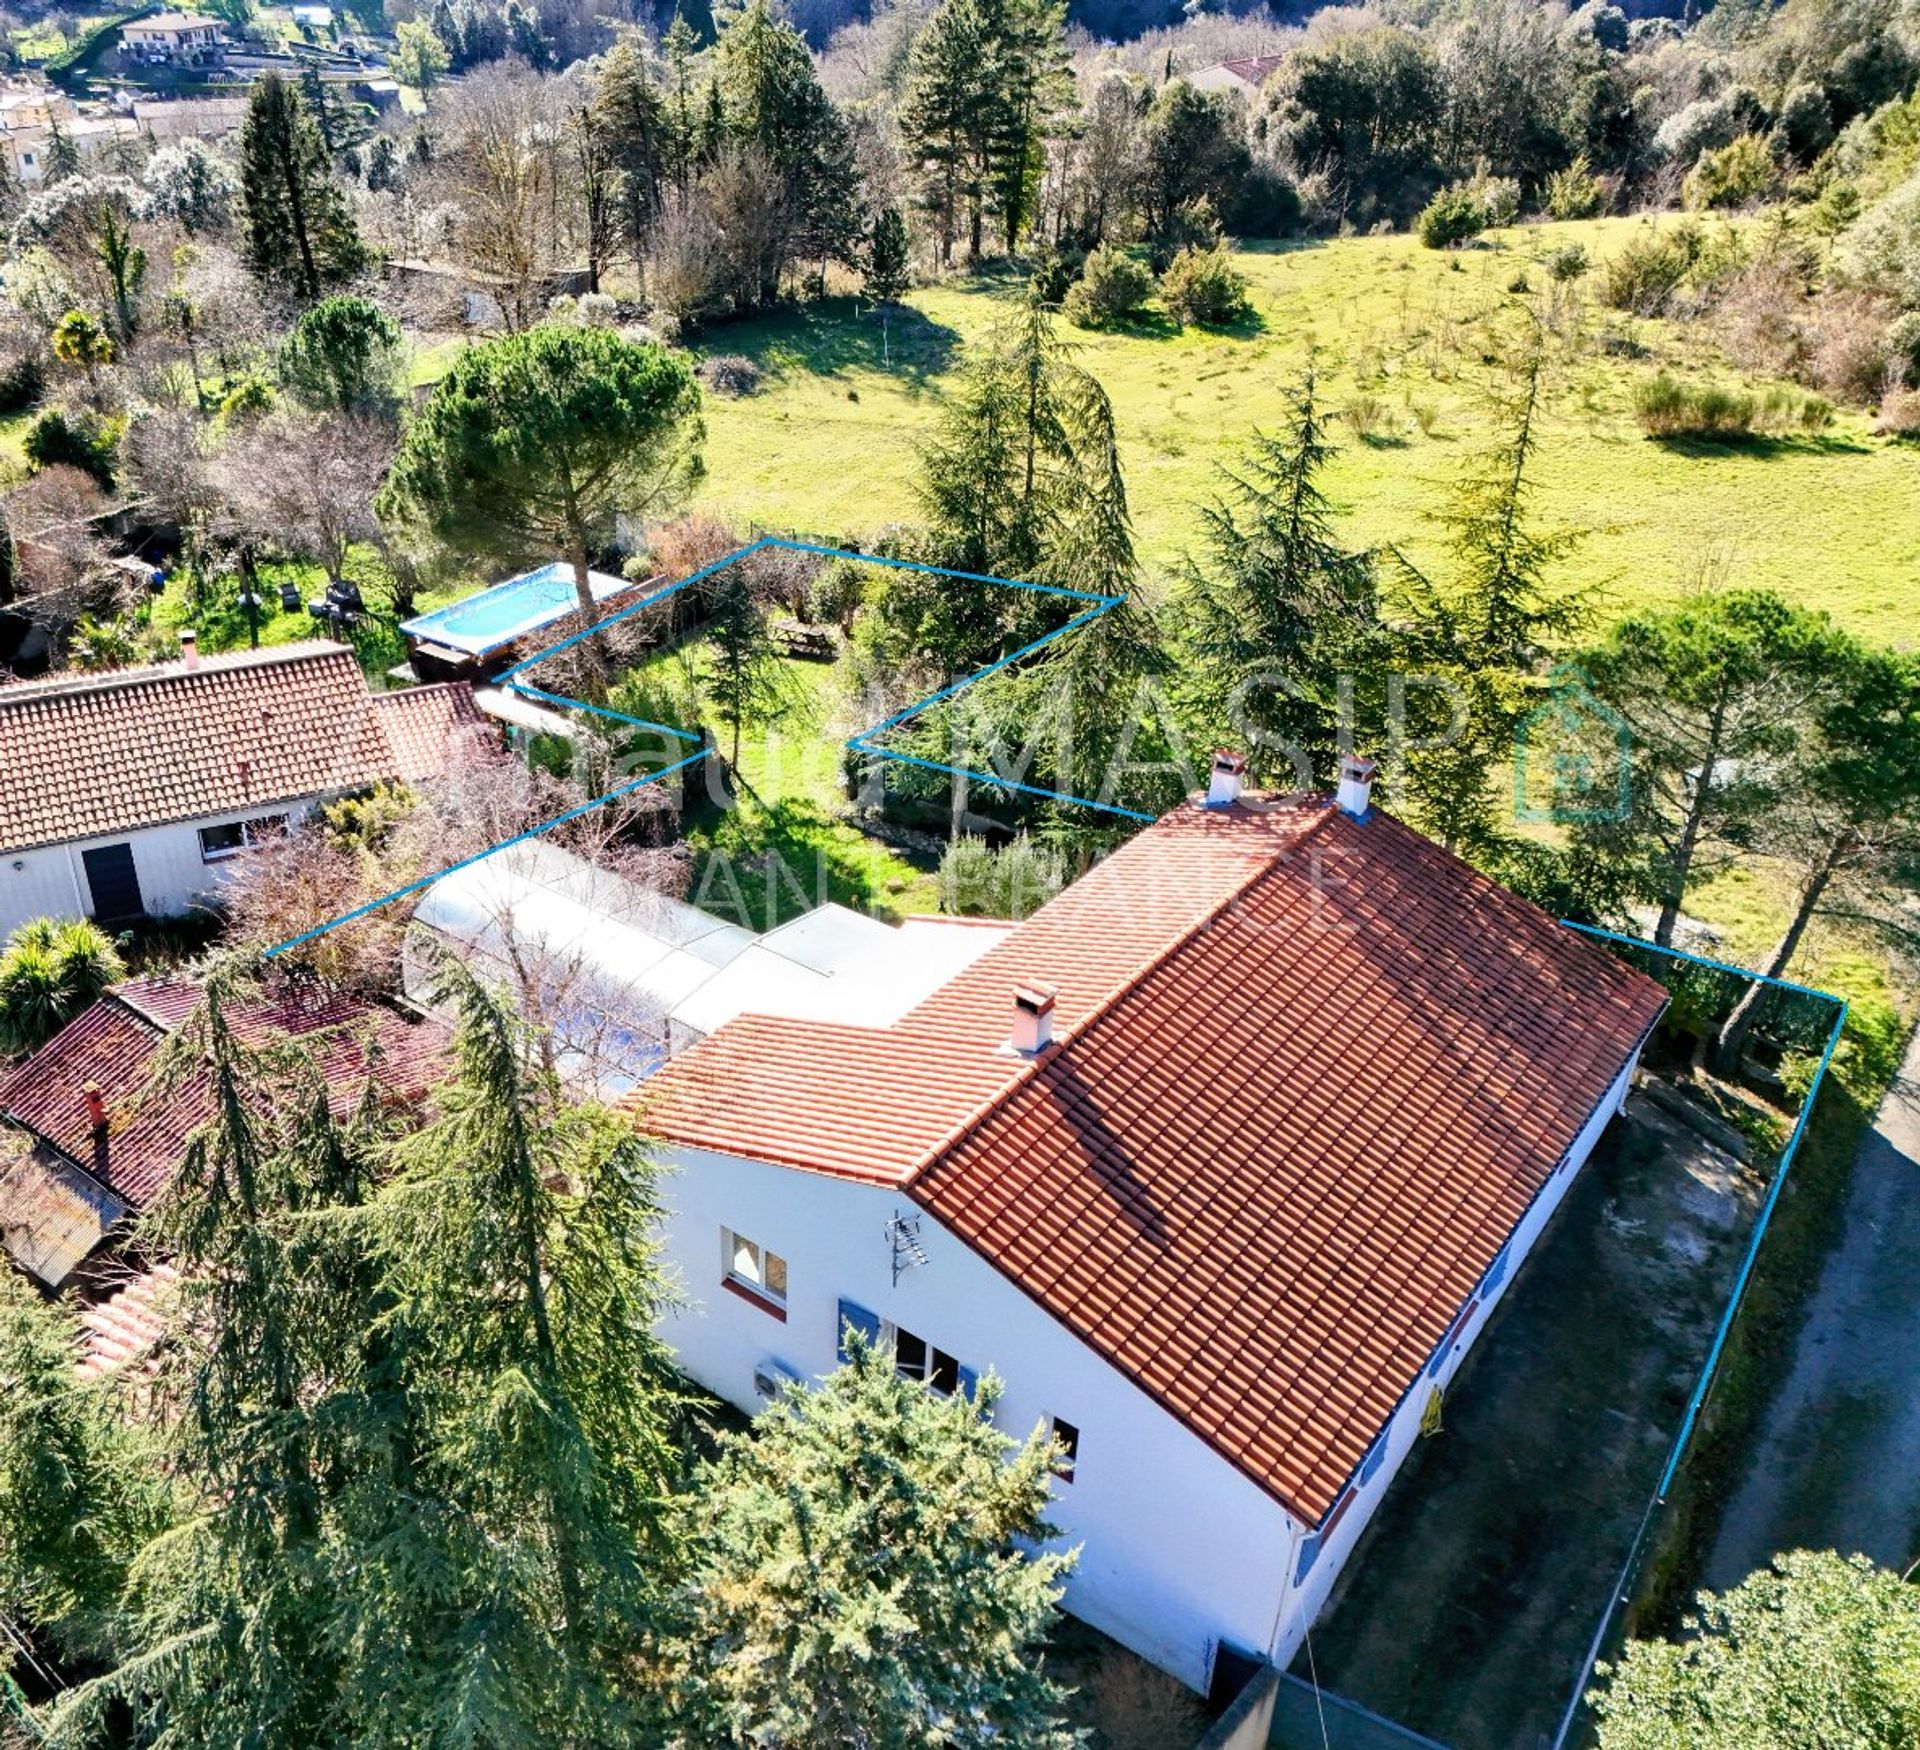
931,1156
66,685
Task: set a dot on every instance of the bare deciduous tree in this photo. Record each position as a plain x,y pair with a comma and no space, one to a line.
306,484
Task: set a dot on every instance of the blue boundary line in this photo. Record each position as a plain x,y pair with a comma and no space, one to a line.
862,742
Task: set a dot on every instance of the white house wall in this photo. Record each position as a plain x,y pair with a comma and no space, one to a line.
1180,1551
1309,1595
51,881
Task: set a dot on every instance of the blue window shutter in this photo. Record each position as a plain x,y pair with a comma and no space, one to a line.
1371,1463
968,1380
857,1318
1309,1554
1498,1268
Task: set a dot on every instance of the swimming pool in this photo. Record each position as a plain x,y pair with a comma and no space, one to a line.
484,623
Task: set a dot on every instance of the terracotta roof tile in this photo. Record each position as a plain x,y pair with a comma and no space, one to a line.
1310,1073
116,1042
420,723
88,755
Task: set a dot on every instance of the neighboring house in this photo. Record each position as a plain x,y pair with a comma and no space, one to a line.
1246,75
204,118
627,977
86,1143
1219,1160
188,37
28,118
127,791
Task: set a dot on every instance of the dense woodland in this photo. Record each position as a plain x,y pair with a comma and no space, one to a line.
413,1468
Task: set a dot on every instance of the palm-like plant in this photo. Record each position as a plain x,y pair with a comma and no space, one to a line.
49,972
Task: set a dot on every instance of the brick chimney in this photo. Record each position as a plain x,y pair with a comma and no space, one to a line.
1229,773
1032,1018
190,649
97,1123
1355,795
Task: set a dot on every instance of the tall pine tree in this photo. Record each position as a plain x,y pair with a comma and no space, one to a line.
1281,619
297,227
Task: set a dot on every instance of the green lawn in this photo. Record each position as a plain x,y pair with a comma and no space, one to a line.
783,849
826,443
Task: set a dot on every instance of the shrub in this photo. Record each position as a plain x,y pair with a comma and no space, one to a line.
1499,197
730,373
1452,216
1645,276
1883,247
60,440
1202,286
1667,408
1111,290
1899,414
1567,264
1851,357
1834,208
247,399
597,310
1054,272
1575,192
1364,414
1804,126
977,881
48,973
1903,347
1264,204
23,377
1192,225
1710,123
1731,175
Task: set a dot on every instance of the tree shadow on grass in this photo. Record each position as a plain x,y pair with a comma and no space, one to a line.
765,864
827,338
1762,445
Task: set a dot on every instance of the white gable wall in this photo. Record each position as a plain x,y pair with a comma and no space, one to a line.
1181,1551
51,880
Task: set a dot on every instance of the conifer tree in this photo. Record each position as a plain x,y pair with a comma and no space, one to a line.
298,231
630,115
949,120
746,681
1480,631
79,1489
63,156
230,1614
516,1239
1279,613
858,1575
888,276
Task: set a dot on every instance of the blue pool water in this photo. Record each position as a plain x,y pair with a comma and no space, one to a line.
483,623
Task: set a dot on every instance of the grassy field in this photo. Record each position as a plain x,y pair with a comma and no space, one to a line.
826,442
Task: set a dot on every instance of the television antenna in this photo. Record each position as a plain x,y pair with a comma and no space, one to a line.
903,1240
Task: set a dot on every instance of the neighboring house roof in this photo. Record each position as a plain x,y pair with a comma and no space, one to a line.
171,23
122,1327
89,755
418,723
1310,1071
1246,70
115,1046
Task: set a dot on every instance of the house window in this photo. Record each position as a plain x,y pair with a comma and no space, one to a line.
754,1272
1067,1437
916,1358
217,843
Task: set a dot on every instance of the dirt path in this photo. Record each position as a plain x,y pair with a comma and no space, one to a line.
1837,1461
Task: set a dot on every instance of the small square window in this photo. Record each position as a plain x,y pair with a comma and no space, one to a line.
1067,1437
749,1265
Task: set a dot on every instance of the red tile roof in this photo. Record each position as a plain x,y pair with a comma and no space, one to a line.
94,754
115,1045
121,1328
419,724
1310,1073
